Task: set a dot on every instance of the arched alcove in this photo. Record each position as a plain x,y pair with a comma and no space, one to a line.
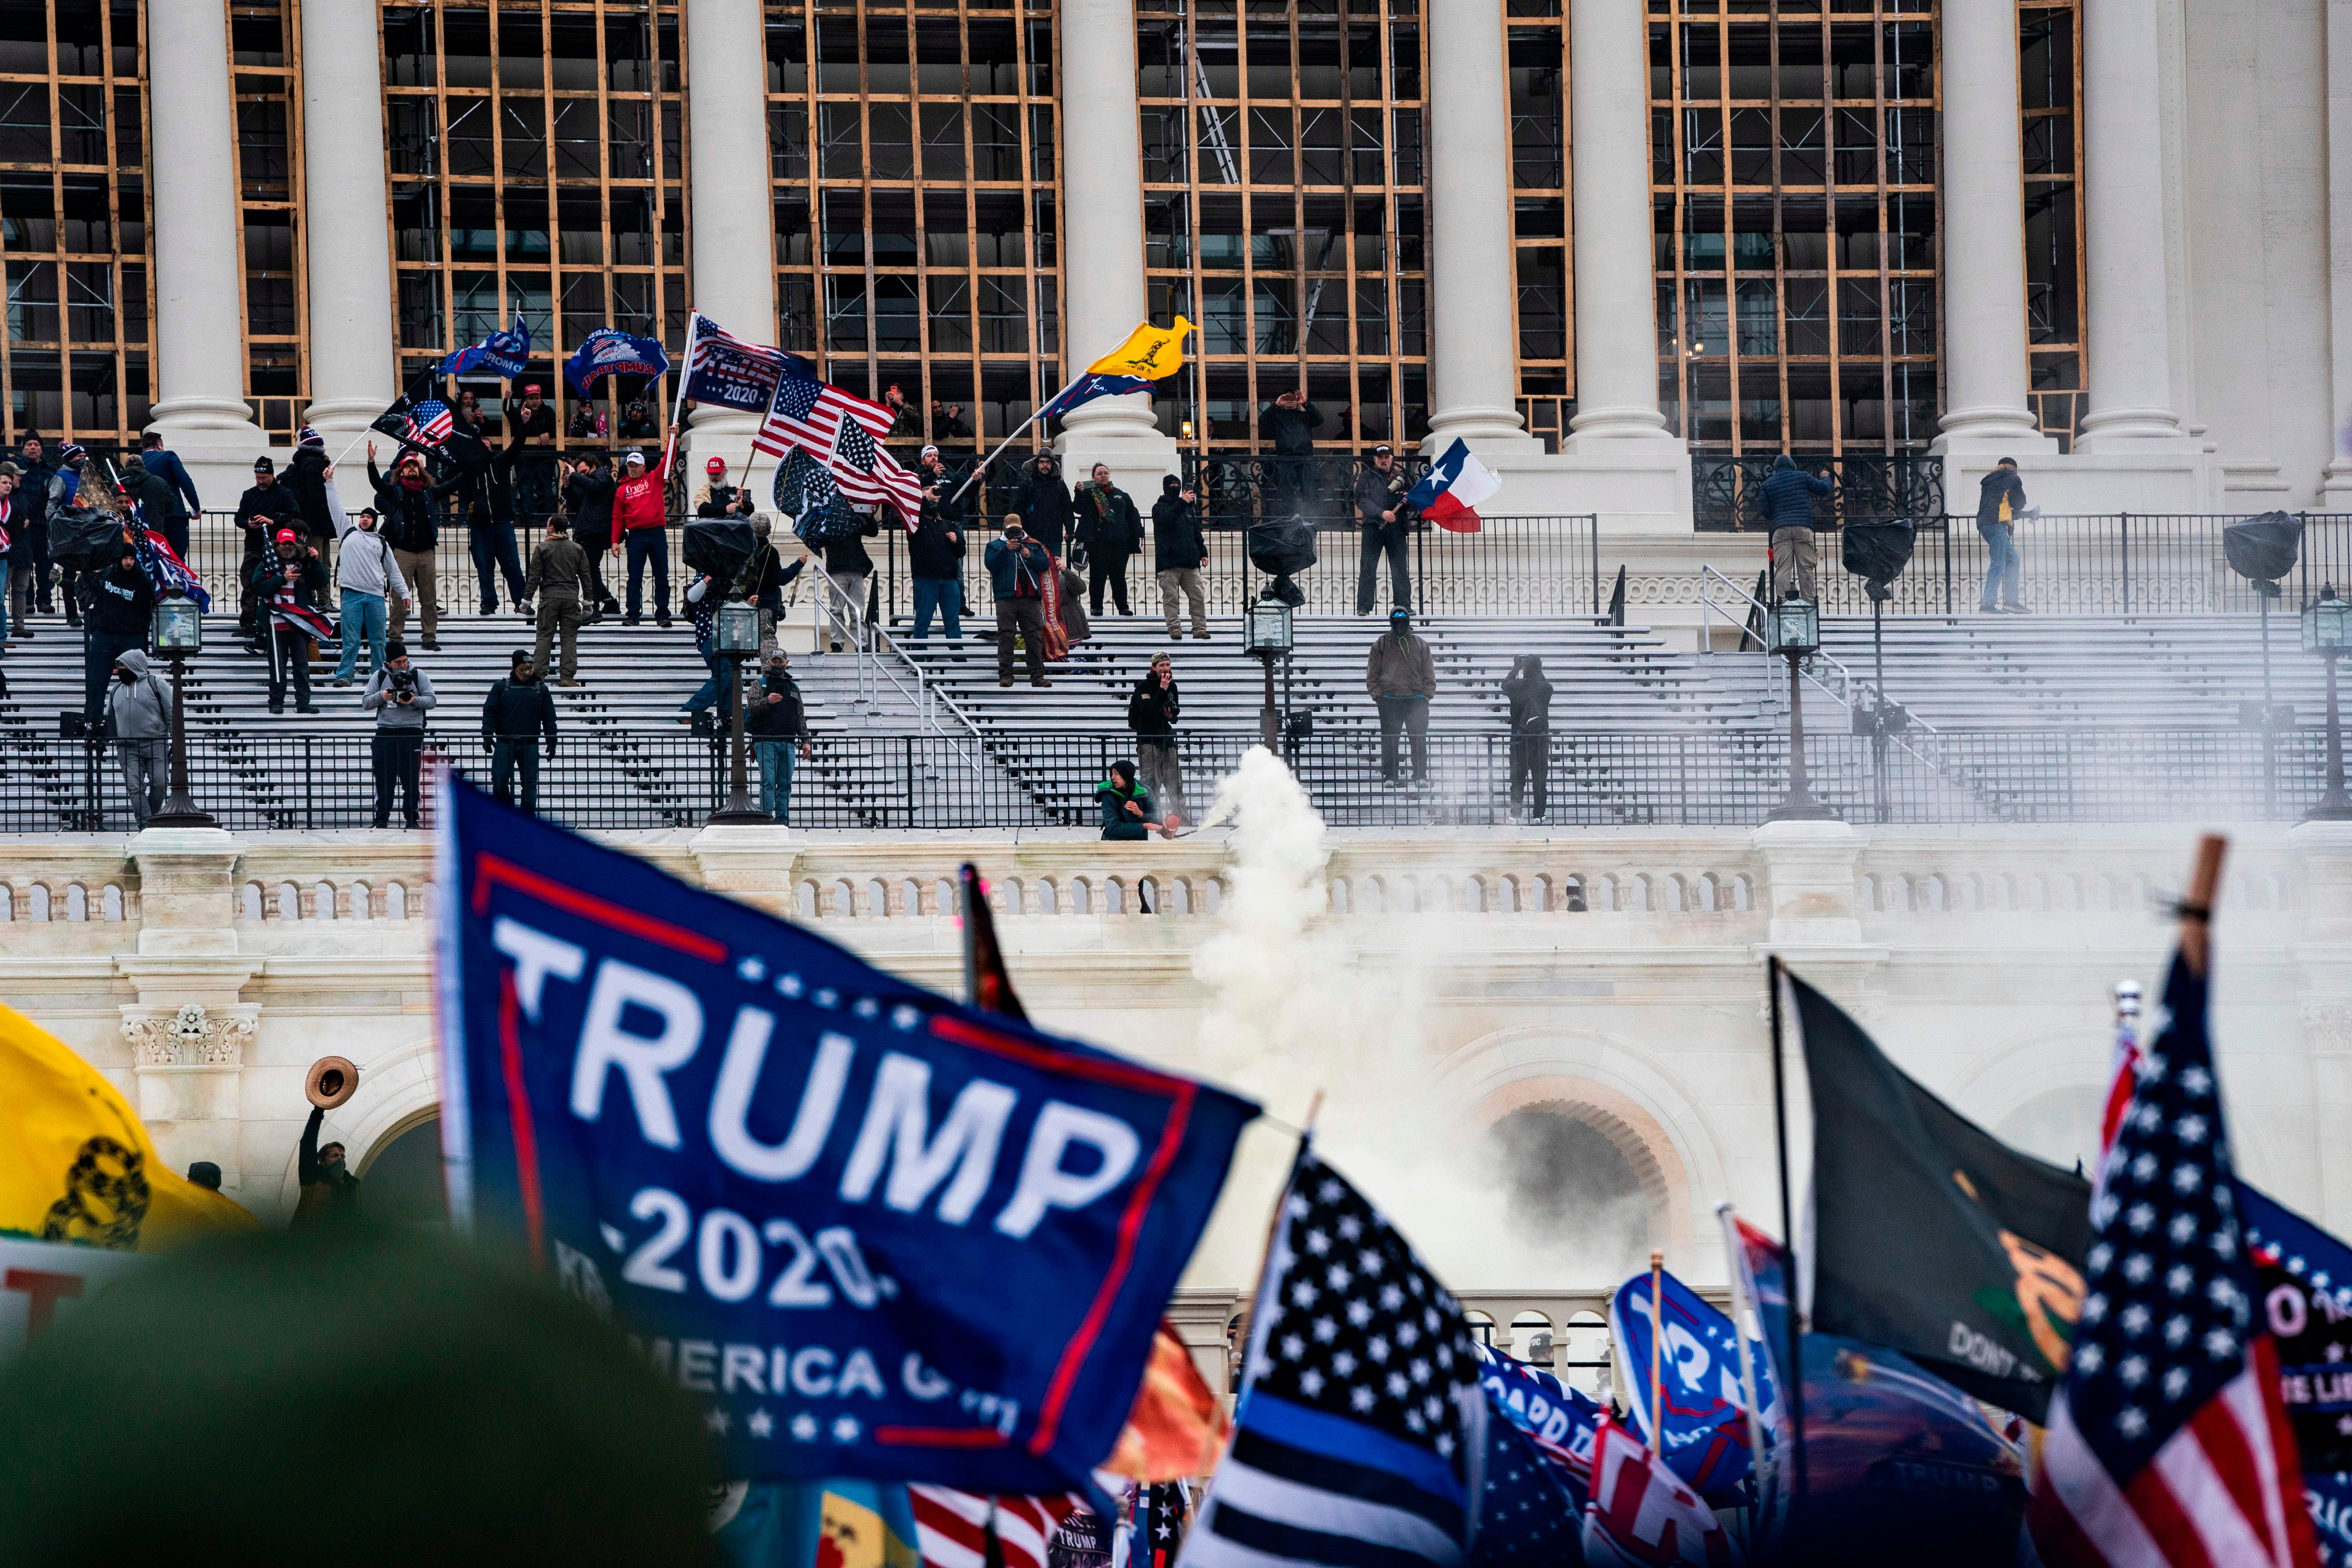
400,1182
1577,1179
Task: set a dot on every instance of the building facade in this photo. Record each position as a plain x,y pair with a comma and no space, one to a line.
1615,245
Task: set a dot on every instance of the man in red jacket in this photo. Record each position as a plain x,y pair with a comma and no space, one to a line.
638,520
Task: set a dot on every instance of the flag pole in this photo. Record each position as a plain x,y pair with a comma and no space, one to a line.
982,466
1740,1304
678,403
1657,1352
1795,1394
2197,909
370,430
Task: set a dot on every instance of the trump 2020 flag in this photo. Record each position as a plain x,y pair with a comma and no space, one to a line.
1702,1429
609,350
1642,1516
1558,1420
506,352
1449,494
2304,1279
878,1233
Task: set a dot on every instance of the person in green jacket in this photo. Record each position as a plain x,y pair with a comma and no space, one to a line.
1126,809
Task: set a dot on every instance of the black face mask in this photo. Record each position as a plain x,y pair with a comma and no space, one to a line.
125,677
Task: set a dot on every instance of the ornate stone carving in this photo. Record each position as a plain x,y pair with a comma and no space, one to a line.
190,1038
2328,1026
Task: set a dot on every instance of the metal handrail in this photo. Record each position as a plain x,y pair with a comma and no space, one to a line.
1844,686
925,696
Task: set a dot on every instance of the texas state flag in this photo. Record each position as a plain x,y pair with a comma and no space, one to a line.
1449,494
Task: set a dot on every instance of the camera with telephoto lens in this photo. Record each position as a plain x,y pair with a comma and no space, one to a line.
404,683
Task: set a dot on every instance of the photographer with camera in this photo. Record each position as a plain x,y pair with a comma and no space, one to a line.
518,711
399,696
777,727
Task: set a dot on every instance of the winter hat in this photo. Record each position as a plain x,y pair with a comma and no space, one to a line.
716,465
71,453
519,656
307,436
393,650
262,464
1123,771
1169,484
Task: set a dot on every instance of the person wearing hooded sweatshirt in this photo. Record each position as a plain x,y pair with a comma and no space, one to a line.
1109,531
306,475
1043,502
1127,812
121,602
1177,554
368,575
1787,497
156,500
935,554
1402,676
1529,695
73,483
408,505
138,720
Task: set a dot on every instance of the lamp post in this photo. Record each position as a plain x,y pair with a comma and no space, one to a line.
2326,626
1267,636
178,633
1793,629
738,639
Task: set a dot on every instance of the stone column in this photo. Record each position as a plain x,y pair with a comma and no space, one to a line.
2336,489
1616,282
1102,242
1473,276
354,372
1984,238
734,244
2130,328
199,294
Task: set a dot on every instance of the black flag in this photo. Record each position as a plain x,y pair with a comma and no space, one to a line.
986,986
1931,1236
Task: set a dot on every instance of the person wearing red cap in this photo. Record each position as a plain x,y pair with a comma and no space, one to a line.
531,454
716,497
288,576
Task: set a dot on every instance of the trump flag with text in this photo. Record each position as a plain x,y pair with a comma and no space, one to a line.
876,1233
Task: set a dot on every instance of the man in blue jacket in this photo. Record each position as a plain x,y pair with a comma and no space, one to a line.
165,464
1788,502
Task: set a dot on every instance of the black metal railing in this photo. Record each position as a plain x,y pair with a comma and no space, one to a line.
1725,491
1237,488
2103,563
1511,566
630,778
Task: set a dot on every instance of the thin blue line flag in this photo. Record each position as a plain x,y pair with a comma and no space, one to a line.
879,1235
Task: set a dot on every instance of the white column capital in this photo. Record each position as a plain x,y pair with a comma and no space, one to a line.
1616,282
199,296
1986,377
1474,349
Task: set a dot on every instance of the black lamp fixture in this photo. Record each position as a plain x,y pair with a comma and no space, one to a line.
2327,630
738,639
1793,630
1266,636
178,634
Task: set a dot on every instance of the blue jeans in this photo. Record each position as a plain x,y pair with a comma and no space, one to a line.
707,694
936,594
493,548
776,778
3,597
363,616
2002,567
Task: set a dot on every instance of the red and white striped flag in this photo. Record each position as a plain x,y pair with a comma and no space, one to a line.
2123,1076
2168,1446
810,413
1641,1515
868,475
951,1527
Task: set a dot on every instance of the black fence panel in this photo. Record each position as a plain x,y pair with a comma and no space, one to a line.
626,778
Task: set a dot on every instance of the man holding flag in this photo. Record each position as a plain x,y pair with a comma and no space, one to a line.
1151,354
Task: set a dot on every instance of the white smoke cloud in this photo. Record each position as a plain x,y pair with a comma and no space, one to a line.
1294,1010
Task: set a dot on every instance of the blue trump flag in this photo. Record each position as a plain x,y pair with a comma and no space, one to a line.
504,352
880,1234
1559,1421
608,350
1704,1434
2304,1279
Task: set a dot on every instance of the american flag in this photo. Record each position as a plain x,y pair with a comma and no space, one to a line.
951,1527
2122,1078
1642,1515
1163,1509
430,422
2167,1444
868,475
1359,1411
809,412
163,566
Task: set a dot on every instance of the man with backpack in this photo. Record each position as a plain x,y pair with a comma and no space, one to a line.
517,713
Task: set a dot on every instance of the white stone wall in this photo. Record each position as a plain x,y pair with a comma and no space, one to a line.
1982,958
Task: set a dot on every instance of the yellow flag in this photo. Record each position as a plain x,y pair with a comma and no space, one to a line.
76,1165
1149,353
